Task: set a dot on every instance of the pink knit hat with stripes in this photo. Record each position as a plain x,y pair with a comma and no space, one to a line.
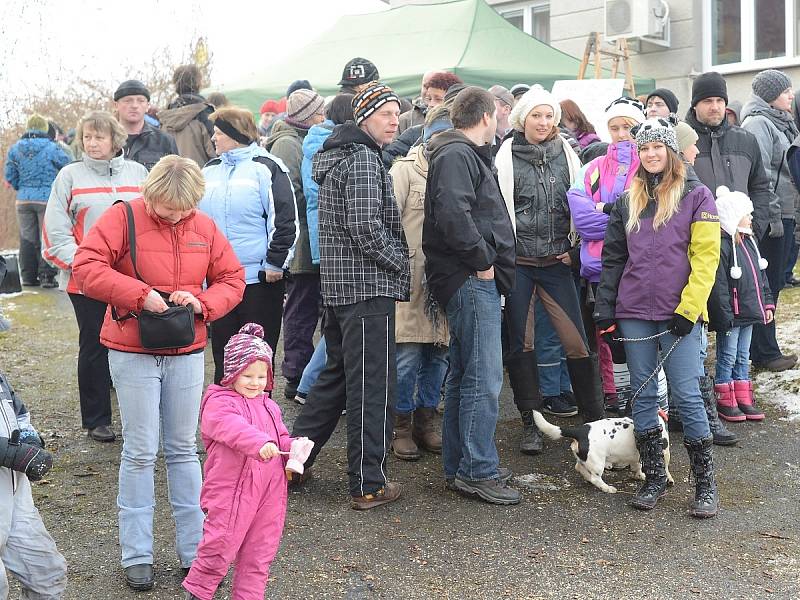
242,350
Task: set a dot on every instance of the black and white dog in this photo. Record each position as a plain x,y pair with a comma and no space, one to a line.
602,444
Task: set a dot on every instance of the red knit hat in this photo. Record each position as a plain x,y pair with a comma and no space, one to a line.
273,106
242,350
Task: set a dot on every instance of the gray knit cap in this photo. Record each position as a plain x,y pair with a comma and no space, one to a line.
770,84
656,130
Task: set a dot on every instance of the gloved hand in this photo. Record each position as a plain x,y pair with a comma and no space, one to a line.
298,454
776,229
32,437
680,326
25,458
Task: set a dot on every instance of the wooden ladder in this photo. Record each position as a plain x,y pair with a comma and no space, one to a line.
617,53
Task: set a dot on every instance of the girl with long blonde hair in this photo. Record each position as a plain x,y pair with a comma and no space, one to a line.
659,263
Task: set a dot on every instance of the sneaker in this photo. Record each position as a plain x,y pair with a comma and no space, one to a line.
503,474
300,398
559,407
493,491
389,493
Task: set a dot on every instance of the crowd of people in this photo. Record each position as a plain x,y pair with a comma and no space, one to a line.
442,241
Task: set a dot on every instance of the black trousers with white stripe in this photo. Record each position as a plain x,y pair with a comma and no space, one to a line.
360,375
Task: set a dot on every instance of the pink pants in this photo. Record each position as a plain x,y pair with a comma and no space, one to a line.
244,527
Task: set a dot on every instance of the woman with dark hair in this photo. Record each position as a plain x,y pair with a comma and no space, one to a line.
535,169
659,264
248,193
575,121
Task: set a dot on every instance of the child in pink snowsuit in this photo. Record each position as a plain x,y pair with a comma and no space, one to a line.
244,492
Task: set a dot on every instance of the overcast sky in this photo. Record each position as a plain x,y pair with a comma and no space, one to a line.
45,43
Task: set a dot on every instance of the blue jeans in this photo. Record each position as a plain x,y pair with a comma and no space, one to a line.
473,385
681,371
553,374
159,401
733,355
313,368
703,349
420,368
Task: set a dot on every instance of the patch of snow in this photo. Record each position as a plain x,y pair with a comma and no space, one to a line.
539,482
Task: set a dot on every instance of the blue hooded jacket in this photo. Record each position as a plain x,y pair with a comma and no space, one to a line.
311,144
250,198
32,165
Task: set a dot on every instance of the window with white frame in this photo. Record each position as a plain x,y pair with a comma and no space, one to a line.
750,34
531,17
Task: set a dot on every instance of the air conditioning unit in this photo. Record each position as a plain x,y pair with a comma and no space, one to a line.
636,19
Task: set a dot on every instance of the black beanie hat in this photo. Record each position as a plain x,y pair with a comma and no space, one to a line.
298,84
709,85
132,87
670,99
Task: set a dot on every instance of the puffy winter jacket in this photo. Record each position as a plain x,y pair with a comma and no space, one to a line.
81,193
467,227
13,416
187,121
250,197
311,144
775,130
534,179
32,165
731,156
149,146
234,429
601,180
655,274
169,257
286,142
743,301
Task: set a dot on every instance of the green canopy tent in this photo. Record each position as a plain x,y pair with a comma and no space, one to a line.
465,37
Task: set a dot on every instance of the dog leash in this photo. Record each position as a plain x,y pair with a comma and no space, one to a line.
661,362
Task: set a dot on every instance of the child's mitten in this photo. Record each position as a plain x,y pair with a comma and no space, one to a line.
298,454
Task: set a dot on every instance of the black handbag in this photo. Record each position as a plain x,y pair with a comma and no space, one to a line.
168,330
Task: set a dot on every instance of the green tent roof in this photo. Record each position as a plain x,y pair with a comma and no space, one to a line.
465,37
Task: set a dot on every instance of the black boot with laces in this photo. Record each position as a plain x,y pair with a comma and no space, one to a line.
706,501
651,454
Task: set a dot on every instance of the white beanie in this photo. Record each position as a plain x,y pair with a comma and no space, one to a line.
535,96
731,207
626,107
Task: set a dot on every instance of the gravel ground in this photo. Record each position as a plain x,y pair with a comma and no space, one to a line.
566,540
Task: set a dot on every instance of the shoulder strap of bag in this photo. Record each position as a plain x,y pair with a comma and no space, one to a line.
132,244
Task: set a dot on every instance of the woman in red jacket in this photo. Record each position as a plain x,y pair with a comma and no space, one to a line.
177,250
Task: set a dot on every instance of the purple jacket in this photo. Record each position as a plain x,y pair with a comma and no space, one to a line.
601,180
585,138
654,274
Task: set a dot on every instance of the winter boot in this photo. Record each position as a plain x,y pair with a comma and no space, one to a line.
727,407
743,392
531,442
425,432
722,435
584,373
706,501
651,454
403,445
523,373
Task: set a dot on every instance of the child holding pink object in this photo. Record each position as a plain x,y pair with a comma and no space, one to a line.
244,492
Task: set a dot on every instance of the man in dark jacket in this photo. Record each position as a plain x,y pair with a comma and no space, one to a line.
364,270
730,156
146,144
469,245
